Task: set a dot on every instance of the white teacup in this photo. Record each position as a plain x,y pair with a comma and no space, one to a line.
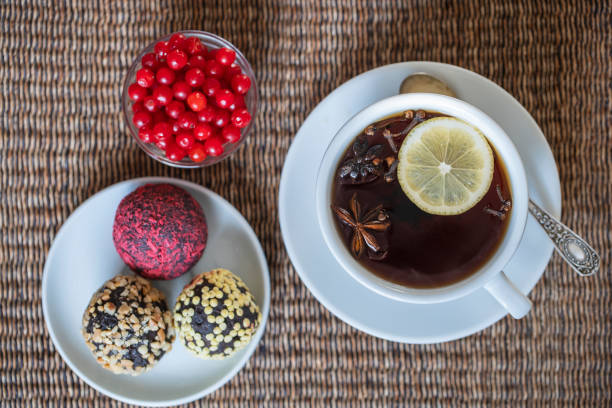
490,275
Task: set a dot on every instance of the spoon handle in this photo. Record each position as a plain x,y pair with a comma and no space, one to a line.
576,252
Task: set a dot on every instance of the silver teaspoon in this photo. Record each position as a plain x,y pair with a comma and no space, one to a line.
572,248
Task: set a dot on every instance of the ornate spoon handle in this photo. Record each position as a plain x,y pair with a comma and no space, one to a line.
576,252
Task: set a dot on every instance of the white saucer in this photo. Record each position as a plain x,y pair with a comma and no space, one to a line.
348,299
83,257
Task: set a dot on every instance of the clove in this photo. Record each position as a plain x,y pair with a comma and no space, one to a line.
506,204
389,137
500,214
391,174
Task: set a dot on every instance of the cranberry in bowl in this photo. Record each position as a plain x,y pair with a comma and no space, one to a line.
190,99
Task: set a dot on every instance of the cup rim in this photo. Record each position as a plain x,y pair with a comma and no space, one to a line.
443,104
251,100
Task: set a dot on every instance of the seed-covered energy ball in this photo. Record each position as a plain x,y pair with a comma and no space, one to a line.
160,231
127,325
216,315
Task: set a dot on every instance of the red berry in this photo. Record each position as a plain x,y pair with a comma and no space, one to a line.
241,118
176,59
196,101
163,95
213,146
238,103
181,90
162,131
187,120
213,69
174,152
231,71
185,140
225,56
174,109
161,50
207,114
224,98
145,134
202,131
197,153
149,61
138,107
145,77
194,46
197,61
136,92
162,144
150,103
141,119
222,118
177,41
195,77
230,133
165,76
241,83
175,127
211,86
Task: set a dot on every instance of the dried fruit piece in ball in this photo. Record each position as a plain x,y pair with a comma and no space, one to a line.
127,325
216,315
160,230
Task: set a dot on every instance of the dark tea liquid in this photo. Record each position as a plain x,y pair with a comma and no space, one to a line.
423,250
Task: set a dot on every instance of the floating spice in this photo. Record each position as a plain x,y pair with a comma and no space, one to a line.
506,205
364,166
414,117
391,173
375,220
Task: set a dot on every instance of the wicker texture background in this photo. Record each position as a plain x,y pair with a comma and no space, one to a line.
63,139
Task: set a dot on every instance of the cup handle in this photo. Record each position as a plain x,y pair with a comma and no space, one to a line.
504,291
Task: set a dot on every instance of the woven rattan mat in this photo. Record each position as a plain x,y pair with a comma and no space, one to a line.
63,139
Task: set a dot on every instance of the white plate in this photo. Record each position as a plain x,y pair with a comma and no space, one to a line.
345,297
83,257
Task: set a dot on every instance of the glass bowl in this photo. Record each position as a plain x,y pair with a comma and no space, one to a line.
251,101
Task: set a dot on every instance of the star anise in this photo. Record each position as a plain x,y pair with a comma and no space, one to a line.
375,220
364,166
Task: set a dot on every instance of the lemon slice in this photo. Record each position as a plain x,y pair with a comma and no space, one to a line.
445,166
